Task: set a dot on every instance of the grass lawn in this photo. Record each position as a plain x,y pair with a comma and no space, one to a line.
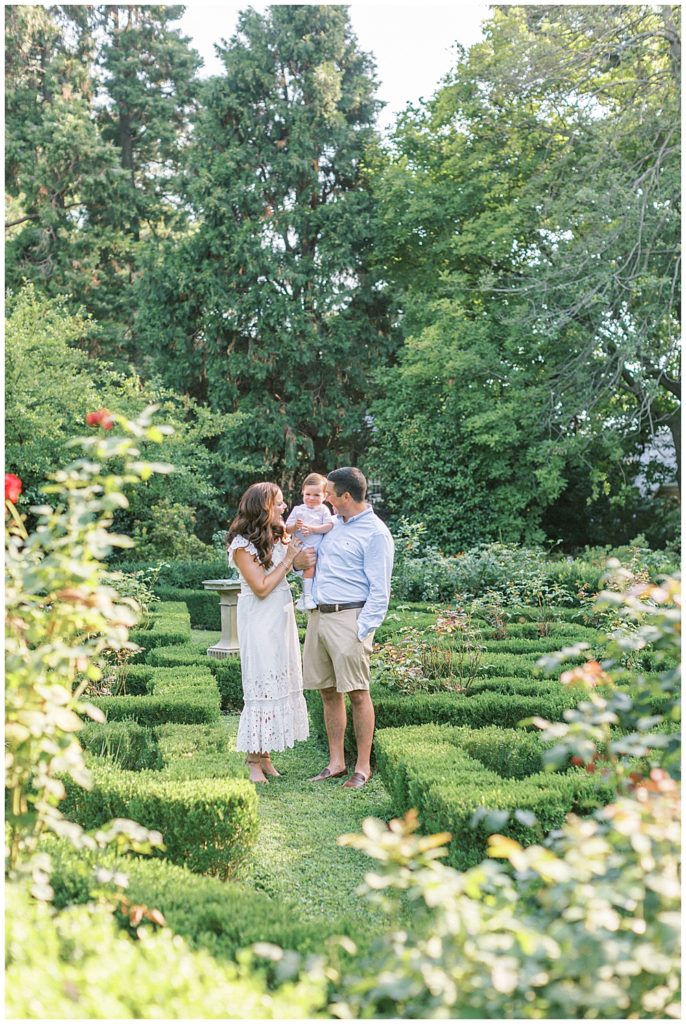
296,856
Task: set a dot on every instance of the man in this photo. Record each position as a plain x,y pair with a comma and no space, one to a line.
351,588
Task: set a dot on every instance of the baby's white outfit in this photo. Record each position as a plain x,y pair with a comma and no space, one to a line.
313,517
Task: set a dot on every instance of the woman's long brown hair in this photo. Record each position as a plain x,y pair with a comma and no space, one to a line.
254,521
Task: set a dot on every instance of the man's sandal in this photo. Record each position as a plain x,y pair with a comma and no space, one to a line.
327,774
357,780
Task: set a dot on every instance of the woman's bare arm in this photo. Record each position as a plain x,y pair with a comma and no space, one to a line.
262,583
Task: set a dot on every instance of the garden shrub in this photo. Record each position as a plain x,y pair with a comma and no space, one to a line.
226,671
562,631
77,963
583,927
184,574
127,743
209,825
169,624
198,751
187,694
203,605
219,917
488,706
515,645
448,774
532,613
399,620
63,623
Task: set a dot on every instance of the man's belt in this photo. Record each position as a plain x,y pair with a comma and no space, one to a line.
327,608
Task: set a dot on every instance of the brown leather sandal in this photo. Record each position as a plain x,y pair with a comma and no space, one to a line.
357,780
327,774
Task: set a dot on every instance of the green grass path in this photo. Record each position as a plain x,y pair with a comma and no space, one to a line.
296,856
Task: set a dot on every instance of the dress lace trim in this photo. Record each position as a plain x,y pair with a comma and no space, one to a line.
275,727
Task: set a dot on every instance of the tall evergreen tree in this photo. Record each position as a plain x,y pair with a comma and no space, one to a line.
150,87
58,168
92,165
270,306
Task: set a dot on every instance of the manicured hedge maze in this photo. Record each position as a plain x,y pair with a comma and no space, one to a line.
450,773
162,759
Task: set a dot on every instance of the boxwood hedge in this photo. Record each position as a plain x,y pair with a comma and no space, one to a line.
208,825
448,774
226,671
186,694
220,917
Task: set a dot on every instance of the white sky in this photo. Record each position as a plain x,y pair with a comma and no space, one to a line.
411,43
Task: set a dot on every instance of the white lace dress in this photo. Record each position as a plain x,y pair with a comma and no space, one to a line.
275,713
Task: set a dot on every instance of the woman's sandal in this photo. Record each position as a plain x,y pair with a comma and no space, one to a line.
268,768
255,761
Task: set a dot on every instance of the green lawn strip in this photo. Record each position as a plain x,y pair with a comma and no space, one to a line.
297,857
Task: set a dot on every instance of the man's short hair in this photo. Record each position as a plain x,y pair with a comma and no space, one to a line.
350,479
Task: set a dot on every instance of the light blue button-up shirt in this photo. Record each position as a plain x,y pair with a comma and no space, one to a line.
354,563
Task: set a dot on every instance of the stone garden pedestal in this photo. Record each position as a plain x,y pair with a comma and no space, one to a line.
228,601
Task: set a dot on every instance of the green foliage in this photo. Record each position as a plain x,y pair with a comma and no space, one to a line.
218,917
227,671
92,160
203,605
540,352
505,703
61,618
584,927
470,782
178,695
78,963
185,575
168,533
127,743
49,387
271,306
168,624
221,811
650,619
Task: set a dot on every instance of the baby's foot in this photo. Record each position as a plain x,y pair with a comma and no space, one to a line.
309,604
300,604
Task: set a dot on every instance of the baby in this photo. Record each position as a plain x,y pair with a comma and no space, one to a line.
310,521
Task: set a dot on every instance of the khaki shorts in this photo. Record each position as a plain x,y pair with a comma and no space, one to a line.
333,655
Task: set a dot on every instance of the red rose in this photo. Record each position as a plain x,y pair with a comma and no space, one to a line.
100,418
578,761
13,487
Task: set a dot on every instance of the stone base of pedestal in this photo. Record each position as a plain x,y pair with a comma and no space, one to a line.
222,652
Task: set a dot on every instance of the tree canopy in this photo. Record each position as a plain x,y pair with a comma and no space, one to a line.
481,310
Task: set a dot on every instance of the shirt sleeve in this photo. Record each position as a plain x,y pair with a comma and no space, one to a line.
292,517
378,568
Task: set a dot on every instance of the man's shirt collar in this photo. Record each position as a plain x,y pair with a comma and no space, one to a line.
353,519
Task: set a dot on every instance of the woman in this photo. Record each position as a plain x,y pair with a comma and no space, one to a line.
275,714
